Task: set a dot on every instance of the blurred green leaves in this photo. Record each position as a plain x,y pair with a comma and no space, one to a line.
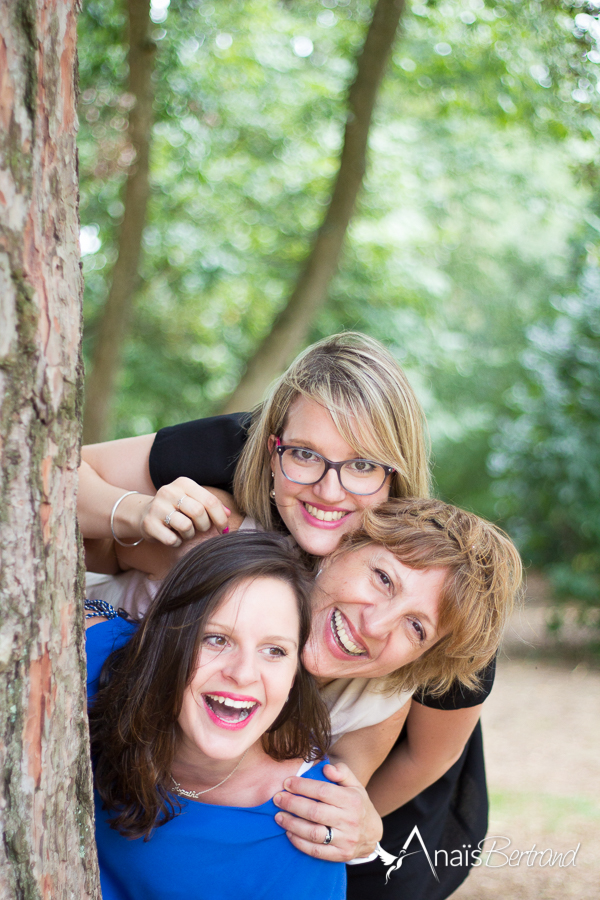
546,456
481,204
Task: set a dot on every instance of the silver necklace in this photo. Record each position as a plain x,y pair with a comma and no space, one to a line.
193,795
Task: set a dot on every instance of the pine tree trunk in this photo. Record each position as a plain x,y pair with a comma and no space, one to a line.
294,321
45,789
100,383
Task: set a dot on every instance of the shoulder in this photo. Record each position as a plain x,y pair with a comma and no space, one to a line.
356,703
459,697
315,772
205,450
100,642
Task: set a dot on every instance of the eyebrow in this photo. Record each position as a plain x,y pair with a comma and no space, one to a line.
278,638
301,443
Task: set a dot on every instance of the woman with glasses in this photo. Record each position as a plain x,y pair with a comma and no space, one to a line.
340,432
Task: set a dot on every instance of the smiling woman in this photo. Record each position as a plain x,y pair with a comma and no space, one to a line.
319,501
207,700
369,606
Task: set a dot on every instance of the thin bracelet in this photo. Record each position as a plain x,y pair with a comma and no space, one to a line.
112,522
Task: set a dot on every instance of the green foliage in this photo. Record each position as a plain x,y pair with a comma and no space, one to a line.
481,203
244,148
546,456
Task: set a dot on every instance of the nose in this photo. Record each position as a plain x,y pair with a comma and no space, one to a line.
380,619
329,489
241,667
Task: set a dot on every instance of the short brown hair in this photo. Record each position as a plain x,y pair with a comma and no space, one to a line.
484,577
372,405
133,719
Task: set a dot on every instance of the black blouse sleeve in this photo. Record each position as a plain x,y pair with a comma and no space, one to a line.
459,697
205,450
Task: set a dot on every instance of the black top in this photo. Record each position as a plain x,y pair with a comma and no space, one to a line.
452,813
205,450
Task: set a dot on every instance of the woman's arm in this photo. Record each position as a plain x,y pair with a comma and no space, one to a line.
364,750
124,463
192,507
157,560
307,806
435,739
154,559
204,451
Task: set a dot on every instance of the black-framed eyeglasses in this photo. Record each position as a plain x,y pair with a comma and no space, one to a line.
357,476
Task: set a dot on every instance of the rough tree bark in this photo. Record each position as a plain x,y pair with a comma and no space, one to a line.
293,322
47,849
100,383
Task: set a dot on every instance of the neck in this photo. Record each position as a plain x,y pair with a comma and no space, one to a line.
196,771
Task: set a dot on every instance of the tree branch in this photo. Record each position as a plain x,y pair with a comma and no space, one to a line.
293,322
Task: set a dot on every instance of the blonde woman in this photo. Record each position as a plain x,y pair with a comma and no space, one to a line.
345,411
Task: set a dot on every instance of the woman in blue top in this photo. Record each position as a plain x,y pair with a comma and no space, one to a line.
198,715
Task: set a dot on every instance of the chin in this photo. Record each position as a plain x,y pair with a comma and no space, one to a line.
317,547
318,543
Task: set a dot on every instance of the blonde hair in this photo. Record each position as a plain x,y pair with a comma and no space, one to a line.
483,580
371,403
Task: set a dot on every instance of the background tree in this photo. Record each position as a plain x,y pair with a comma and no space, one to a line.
135,159
45,798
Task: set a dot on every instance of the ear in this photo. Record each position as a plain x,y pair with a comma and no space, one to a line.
272,446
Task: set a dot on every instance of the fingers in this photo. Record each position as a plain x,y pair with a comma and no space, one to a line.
180,510
307,806
202,507
333,794
313,811
320,851
312,837
341,774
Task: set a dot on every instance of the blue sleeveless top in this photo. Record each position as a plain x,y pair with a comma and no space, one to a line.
206,852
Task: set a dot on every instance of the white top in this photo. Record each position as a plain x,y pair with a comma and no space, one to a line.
355,703
132,590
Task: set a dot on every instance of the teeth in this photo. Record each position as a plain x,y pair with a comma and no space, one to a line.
324,516
343,636
236,704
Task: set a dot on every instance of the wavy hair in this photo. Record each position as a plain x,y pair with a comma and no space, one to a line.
483,580
134,716
372,405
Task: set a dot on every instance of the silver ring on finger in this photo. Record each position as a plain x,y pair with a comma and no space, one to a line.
329,837
180,502
167,519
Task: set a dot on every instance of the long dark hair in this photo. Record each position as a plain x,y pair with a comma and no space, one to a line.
133,718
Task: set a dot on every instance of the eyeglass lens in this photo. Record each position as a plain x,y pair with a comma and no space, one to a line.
358,476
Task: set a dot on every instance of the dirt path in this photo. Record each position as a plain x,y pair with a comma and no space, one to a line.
541,729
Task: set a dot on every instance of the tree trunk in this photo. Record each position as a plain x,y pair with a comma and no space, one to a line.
293,322
100,384
45,788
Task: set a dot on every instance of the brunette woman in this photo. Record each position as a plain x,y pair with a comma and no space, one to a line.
197,718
